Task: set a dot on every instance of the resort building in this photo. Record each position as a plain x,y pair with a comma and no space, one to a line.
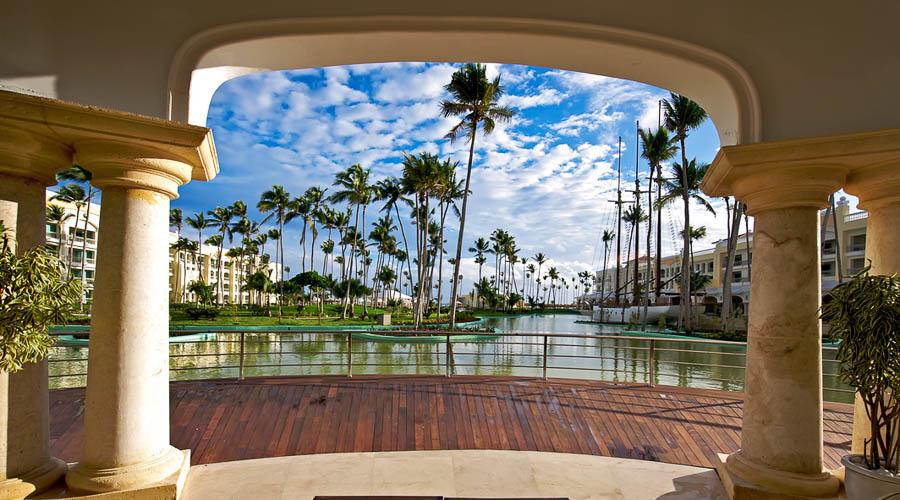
73,243
843,256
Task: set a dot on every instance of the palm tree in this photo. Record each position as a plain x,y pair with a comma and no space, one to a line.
315,197
199,222
78,174
220,218
176,220
74,194
57,216
477,100
676,188
327,249
420,180
390,191
733,223
355,190
540,259
657,147
635,216
682,116
181,247
481,247
607,238
277,201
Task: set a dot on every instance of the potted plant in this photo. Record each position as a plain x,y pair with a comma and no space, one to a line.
864,315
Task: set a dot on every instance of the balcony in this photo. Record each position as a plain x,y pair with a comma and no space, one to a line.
599,395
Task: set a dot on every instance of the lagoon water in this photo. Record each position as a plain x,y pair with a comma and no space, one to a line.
700,365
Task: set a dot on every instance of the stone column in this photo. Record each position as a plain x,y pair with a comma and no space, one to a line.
878,189
27,163
126,439
781,434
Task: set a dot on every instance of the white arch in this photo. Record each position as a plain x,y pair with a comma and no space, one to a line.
212,57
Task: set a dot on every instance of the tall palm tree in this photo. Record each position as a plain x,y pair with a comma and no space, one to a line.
57,216
176,220
80,175
390,191
476,99
635,216
355,190
220,217
277,201
540,259
607,238
199,222
682,116
657,147
420,181
481,247
74,194
300,209
315,196
684,184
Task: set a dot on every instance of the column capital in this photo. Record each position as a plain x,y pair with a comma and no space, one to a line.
876,185
116,164
30,155
120,149
803,172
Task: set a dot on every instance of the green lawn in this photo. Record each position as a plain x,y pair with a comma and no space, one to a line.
236,316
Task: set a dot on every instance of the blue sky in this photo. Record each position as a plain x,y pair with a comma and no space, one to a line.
545,177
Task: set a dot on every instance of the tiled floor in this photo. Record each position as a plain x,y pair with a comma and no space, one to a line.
472,473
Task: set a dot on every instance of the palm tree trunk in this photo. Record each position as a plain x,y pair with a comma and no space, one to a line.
686,314
441,262
603,280
87,218
281,270
312,248
352,260
71,253
462,229
658,287
365,268
303,247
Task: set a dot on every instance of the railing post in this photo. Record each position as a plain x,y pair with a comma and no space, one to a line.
349,354
447,357
651,364
545,357
241,360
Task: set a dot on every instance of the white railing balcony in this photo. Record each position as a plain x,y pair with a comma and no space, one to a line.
856,216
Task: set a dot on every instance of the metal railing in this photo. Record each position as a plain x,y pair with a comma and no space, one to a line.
219,353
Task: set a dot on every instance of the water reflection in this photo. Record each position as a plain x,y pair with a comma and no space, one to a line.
710,366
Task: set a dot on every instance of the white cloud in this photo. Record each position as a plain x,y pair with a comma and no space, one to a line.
545,176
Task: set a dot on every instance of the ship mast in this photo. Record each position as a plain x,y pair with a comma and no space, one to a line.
618,203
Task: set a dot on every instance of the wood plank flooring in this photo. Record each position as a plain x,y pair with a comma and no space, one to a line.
231,420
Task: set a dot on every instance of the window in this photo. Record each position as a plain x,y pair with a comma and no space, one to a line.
738,258
828,269
828,246
858,243
736,276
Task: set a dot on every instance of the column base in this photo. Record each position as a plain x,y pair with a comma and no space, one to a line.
746,480
34,481
162,477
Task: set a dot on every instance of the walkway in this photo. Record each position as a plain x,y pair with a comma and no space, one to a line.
237,420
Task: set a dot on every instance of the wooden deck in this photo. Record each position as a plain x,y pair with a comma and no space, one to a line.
230,420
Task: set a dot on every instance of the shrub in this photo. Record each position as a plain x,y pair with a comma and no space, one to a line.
201,312
33,296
